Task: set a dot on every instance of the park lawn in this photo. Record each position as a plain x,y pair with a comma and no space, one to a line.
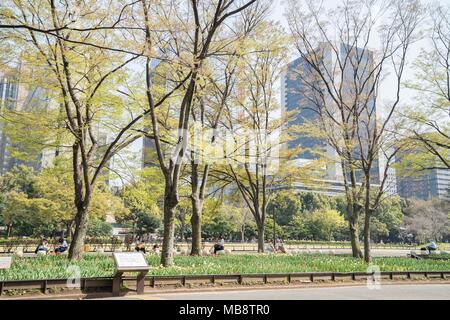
97,265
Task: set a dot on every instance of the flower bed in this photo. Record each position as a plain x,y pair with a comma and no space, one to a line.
97,265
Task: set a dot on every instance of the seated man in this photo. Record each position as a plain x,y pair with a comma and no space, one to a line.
62,246
281,248
42,247
270,248
219,246
432,247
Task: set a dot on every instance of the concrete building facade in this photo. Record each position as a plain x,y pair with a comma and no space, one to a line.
431,184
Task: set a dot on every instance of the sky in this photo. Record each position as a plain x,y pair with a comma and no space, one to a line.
278,11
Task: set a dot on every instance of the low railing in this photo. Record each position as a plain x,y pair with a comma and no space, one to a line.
94,284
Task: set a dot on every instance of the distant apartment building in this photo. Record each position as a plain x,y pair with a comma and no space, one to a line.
424,185
427,185
297,98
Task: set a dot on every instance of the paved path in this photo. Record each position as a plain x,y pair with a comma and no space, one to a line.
387,292
375,252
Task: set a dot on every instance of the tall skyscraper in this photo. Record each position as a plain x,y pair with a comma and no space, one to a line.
304,94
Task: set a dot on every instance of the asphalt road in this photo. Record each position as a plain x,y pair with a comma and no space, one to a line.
386,292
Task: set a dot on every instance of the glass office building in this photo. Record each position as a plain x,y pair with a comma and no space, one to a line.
302,95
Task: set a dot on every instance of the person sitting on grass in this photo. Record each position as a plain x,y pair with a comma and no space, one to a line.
62,246
42,248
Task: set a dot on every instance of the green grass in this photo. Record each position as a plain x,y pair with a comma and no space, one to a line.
55,267
442,256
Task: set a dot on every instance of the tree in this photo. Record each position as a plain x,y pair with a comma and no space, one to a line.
42,204
81,66
314,201
183,212
208,110
19,180
98,228
427,220
207,114
429,123
324,224
340,84
144,198
195,39
273,231
387,220
256,162
221,220
28,216
287,205
146,222
297,230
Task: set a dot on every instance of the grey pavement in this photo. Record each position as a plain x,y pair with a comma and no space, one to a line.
386,292
375,252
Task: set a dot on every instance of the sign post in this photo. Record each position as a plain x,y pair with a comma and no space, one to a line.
129,262
5,263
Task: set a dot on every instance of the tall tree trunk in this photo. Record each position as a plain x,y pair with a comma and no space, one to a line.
66,233
182,228
261,240
367,217
198,199
72,231
170,203
367,255
82,199
353,208
196,222
9,230
81,225
354,238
